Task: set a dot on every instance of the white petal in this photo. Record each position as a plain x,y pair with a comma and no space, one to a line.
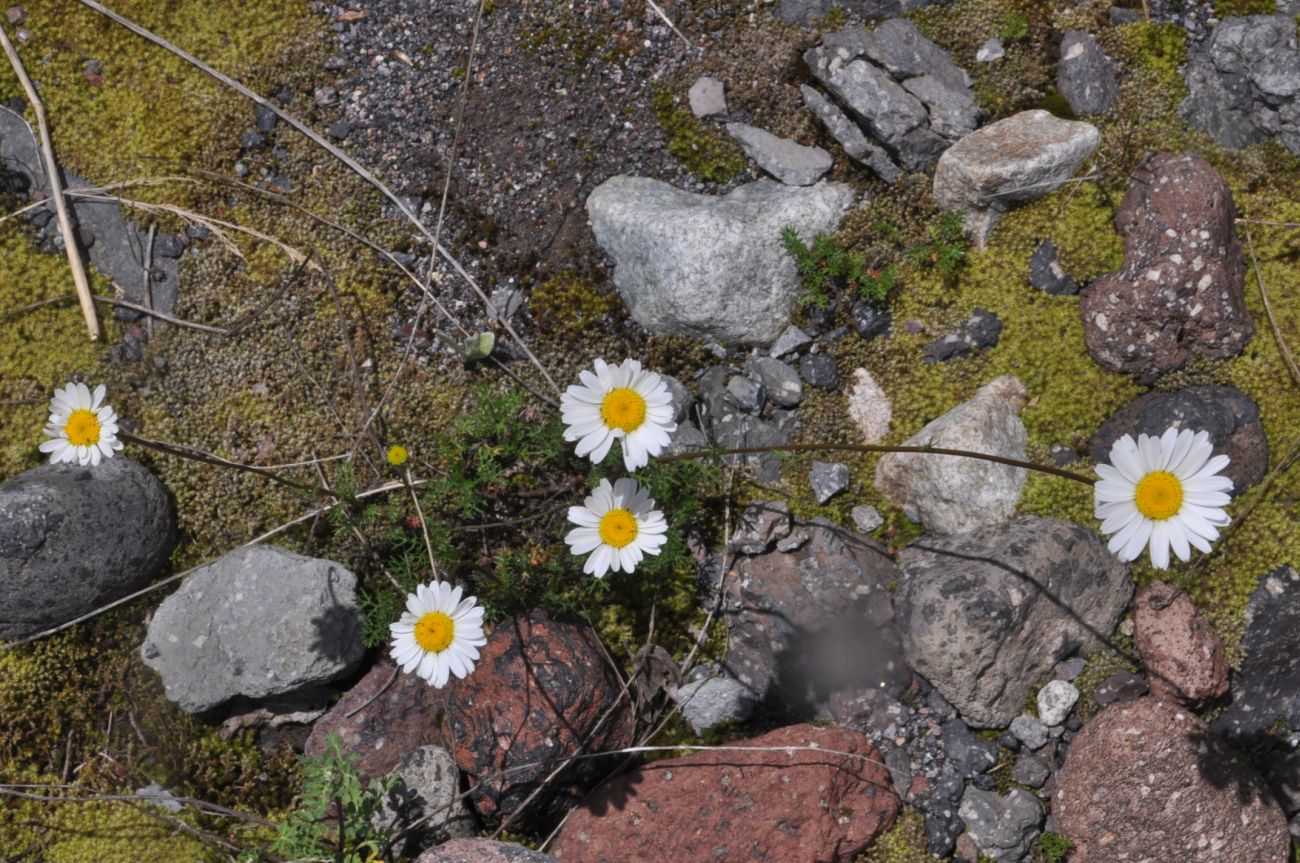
1124,456
1160,545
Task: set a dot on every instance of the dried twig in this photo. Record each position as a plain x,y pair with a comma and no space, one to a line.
1268,310
78,266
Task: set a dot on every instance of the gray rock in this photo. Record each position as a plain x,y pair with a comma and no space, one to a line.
1045,272
503,303
736,430
900,49
761,525
709,266
990,51
426,800
790,162
953,112
265,118
952,494
116,251
1086,76
871,319
986,615
819,371
713,701
812,11
482,851
850,137
75,538
792,339
779,380
747,394
1021,158
1071,668
1030,770
258,621
942,827
681,397
159,796
1029,731
1004,828
1244,80
865,518
828,479
971,755
869,407
1055,701
815,624
981,330
708,97
687,438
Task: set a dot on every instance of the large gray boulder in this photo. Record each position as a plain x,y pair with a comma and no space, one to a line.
986,615
710,266
1022,158
74,538
257,622
953,494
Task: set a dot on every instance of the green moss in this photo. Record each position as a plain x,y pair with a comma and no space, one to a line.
1228,8
569,306
705,151
905,842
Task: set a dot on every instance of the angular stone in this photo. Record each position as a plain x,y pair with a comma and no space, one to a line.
1030,770
708,266
1030,731
1229,416
953,494
1021,158
792,339
779,380
1003,827
385,715
545,686
969,754
990,51
790,162
850,137
869,407
761,525
1266,691
1046,274
258,621
981,330
74,538
1181,290
482,851
899,48
1120,686
1185,659
828,479
807,624
426,802
865,518
708,97
986,615
1086,76
712,701
1115,795
742,805
819,371
1055,701
953,112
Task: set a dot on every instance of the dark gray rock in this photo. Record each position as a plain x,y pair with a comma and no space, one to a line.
790,162
900,49
1086,76
75,538
761,525
985,616
871,320
1045,272
806,625
819,371
812,11
953,111
258,621
850,137
1281,769
981,330
1120,686
746,394
681,397
339,130
1030,731
426,801
265,118
1244,80
792,339
1266,691
971,755
781,382
710,266
828,479
1030,770
1229,416
865,518
943,825
1004,828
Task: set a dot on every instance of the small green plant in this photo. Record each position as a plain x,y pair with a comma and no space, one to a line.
1015,26
702,149
1053,848
332,820
826,265
946,248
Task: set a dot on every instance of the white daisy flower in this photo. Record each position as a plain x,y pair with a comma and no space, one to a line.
621,402
1165,491
439,633
618,525
80,428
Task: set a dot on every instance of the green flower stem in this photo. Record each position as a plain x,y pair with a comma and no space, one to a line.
867,447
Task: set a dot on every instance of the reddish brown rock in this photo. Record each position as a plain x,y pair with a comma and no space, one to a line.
387,719
1185,660
1147,781
725,807
543,690
1180,291
481,851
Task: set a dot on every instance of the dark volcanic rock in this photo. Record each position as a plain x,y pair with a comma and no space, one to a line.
543,687
1230,416
1180,291
740,806
981,330
1045,272
1086,76
74,538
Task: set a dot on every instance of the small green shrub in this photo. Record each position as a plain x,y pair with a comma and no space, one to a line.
332,818
1015,26
827,265
1053,848
946,249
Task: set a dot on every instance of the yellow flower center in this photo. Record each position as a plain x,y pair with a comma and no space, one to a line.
617,528
82,428
623,409
1159,495
397,455
434,632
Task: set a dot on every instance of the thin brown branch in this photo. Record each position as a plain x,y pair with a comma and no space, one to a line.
1268,310
185,452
